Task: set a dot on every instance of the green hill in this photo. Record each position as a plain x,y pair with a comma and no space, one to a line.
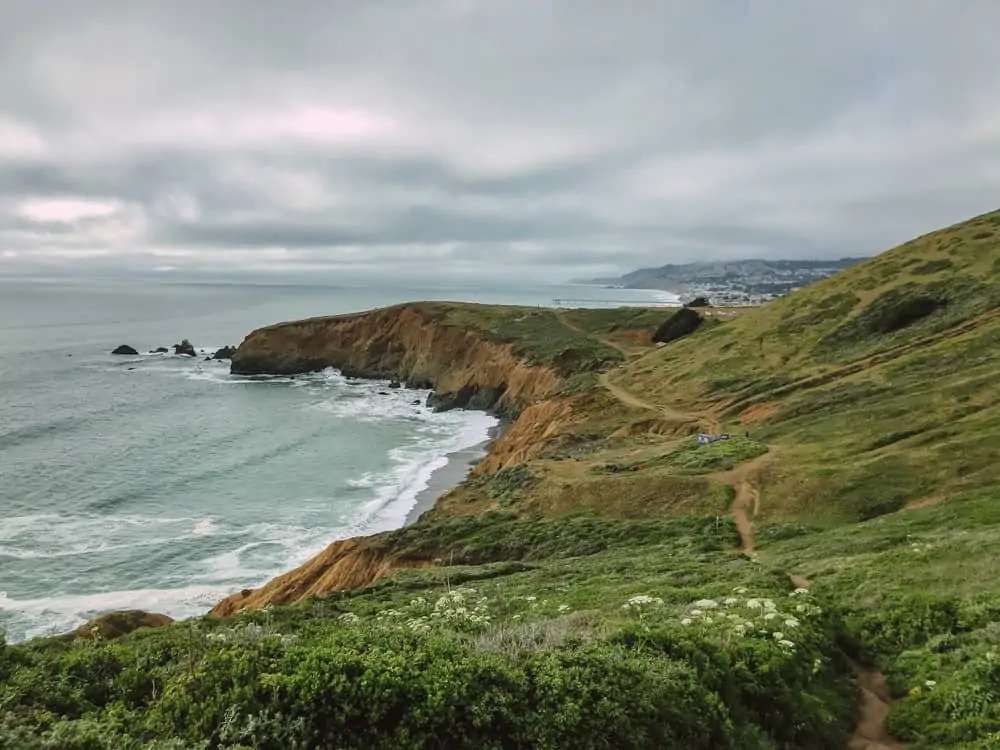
878,384
611,582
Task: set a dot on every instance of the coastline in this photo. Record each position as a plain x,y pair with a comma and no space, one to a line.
453,473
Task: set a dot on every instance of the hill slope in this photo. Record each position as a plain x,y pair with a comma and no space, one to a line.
878,384
758,274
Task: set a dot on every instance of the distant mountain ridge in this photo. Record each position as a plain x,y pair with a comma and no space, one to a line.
754,272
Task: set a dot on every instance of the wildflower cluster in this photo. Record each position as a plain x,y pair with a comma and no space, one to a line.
757,617
641,603
249,633
459,608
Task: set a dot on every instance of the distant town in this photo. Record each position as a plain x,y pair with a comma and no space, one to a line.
730,284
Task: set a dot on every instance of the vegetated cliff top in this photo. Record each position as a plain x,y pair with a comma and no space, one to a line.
567,341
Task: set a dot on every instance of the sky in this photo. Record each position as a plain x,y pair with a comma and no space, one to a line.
555,138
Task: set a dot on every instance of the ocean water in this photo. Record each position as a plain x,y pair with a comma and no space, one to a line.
164,483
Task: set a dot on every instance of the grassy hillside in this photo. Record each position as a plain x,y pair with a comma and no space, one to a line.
877,385
571,341
627,587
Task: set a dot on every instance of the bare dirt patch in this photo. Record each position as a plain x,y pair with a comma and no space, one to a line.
870,734
758,413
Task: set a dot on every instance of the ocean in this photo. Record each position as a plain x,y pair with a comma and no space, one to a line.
164,483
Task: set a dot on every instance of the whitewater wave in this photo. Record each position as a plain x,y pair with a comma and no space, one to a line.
396,491
53,536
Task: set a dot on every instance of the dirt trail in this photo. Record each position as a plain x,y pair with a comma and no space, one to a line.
746,494
745,480
869,733
603,339
630,399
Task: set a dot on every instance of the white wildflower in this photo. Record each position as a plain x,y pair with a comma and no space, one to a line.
754,604
930,684
786,643
686,621
706,603
731,600
740,590
778,635
770,615
639,600
791,622
696,613
564,608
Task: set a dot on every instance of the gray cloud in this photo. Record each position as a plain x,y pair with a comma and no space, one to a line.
573,137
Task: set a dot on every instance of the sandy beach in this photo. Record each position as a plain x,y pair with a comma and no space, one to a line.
460,463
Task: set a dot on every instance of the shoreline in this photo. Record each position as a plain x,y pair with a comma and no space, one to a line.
460,464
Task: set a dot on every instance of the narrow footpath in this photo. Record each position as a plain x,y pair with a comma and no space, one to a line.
870,732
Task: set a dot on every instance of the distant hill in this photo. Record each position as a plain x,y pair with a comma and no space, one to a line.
755,275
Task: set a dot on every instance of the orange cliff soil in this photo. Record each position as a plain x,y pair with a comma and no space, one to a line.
347,564
407,343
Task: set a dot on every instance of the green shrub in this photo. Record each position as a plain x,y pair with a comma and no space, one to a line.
721,455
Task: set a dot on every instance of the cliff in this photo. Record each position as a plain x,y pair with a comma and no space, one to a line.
467,367
346,564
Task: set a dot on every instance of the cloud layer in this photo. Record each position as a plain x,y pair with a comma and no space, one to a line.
571,136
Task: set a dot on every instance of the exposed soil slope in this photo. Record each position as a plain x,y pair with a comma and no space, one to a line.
406,342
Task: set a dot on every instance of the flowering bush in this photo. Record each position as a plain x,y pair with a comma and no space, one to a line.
755,617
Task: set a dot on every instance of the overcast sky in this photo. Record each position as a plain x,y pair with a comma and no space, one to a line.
577,137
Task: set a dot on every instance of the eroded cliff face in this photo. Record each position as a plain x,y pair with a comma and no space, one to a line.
408,343
527,437
347,564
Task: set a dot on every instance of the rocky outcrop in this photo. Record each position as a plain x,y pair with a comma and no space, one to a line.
112,625
125,349
347,564
186,348
160,350
405,343
225,352
682,323
698,302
